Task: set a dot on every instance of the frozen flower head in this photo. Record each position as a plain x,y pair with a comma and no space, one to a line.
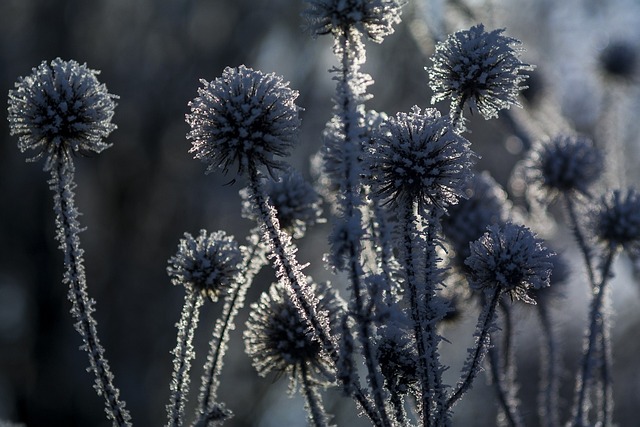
244,117
477,67
297,203
209,263
398,359
619,61
617,222
566,165
61,109
418,158
485,203
374,18
279,340
509,259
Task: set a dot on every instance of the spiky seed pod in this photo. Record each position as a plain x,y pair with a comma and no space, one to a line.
243,117
297,203
374,18
510,258
208,263
278,339
480,68
617,221
418,158
61,109
563,165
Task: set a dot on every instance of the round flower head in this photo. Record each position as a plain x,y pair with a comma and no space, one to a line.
60,109
564,165
374,18
208,263
244,117
277,338
617,222
479,67
418,158
619,61
296,202
485,204
510,259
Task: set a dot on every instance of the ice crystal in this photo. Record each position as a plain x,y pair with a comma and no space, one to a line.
243,117
279,340
374,18
563,165
617,222
61,109
418,158
510,258
478,67
208,263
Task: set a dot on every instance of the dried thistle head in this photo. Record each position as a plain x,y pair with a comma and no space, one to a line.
510,259
209,263
374,18
243,117
480,68
419,158
616,222
61,109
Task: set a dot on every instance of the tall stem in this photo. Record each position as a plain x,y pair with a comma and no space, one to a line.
67,224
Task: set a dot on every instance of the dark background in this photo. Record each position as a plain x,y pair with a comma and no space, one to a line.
142,194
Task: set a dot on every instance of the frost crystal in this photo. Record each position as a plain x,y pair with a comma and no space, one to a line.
479,67
511,259
244,117
208,263
564,165
60,109
617,223
278,339
418,158
374,18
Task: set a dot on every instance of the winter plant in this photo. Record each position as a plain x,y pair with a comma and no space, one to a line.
418,234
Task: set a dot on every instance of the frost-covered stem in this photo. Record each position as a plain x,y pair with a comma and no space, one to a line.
607,382
384,250
254,260
398,409
422,328
363,319
317,413
593,335
68,229
183,353
477,353
550,370
580,239
290,271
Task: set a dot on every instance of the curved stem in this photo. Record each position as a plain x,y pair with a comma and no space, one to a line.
316,410
67,224
580,239
550,370
476,354
594,334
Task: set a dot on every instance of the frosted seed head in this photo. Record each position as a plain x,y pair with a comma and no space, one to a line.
619,61
243,117
374,18
208,263
485,203
279,340
480,68
418,158
617,221
60,109
296,202
567,165
511,259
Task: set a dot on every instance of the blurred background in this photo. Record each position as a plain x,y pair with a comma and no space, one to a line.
142,194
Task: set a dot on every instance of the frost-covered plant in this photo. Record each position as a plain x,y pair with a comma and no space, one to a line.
411,222
479,68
